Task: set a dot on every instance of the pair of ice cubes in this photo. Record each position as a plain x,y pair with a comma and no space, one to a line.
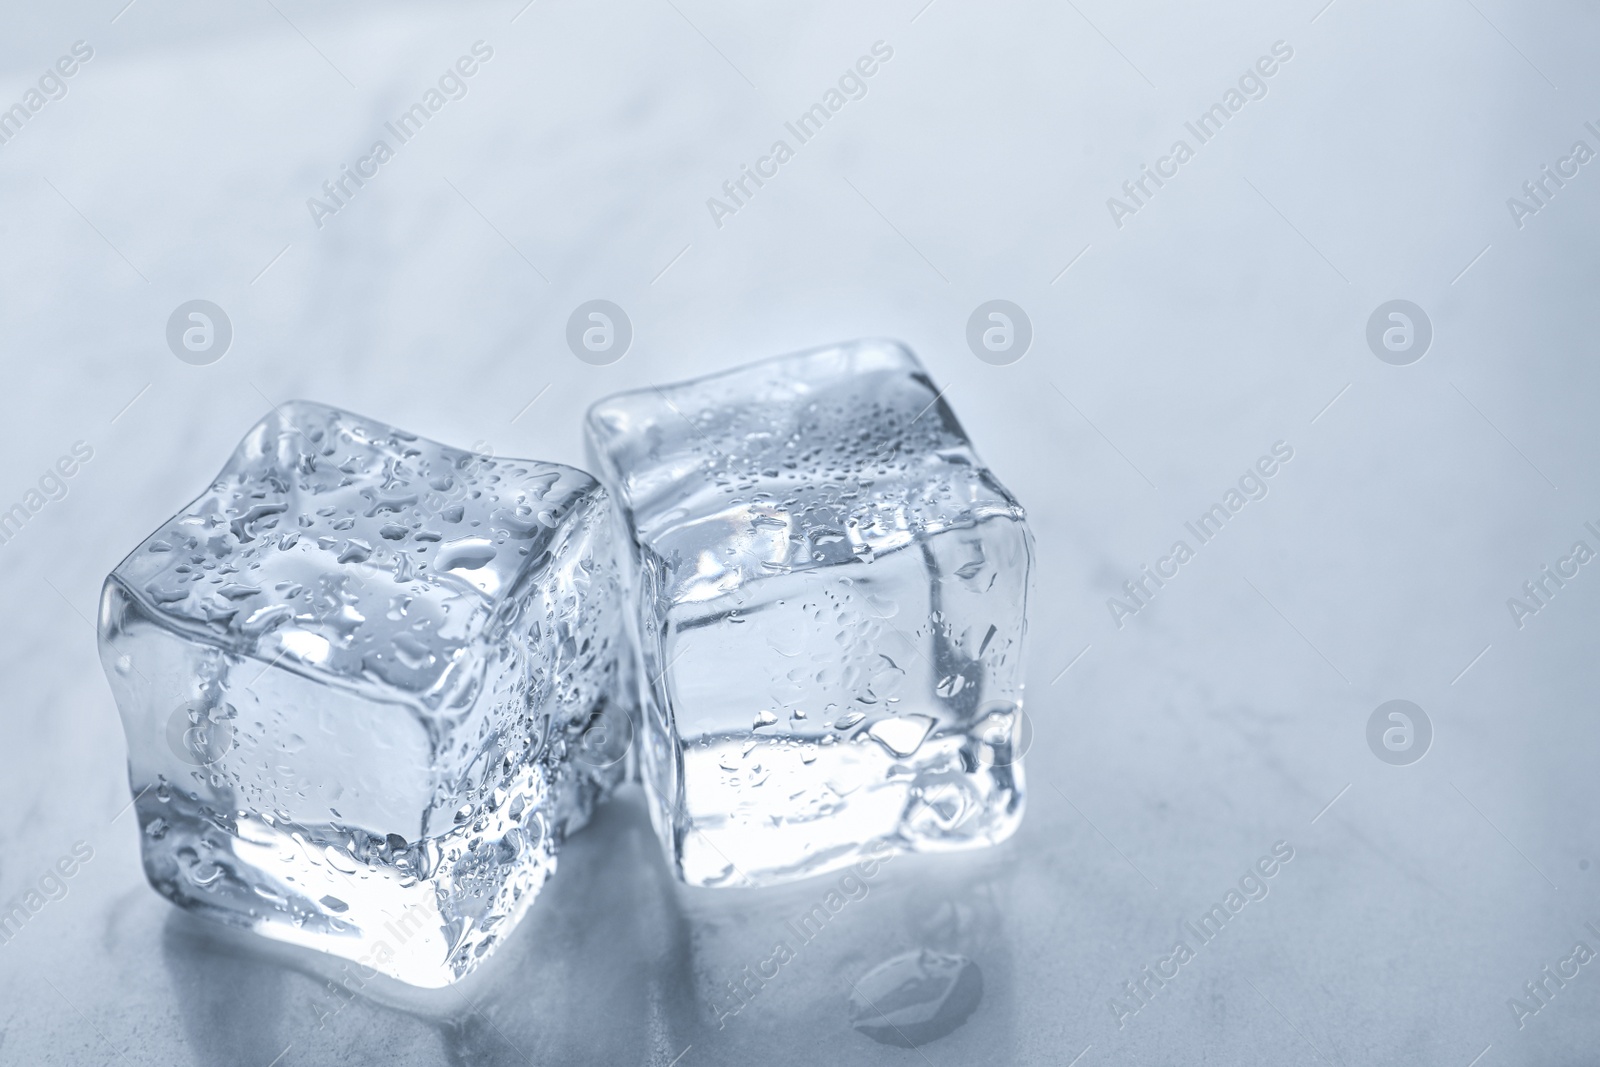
370,683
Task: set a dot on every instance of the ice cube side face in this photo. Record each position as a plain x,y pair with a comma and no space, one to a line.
369,684
830,601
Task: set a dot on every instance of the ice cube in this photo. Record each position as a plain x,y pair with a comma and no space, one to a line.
369,684
830,595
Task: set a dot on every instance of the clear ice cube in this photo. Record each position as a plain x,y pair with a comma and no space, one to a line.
369,684
829,592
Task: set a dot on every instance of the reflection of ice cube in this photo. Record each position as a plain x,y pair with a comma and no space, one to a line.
915,997
369,685
830,593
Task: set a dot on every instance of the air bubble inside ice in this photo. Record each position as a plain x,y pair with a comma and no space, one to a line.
901,736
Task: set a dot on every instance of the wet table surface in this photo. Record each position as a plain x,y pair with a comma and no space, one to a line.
1190,310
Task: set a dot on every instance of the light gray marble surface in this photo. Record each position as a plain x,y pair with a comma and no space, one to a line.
1227,313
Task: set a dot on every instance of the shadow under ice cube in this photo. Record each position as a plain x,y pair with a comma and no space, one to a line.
362,678
830,595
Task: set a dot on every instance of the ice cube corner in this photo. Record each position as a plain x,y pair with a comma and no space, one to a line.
829,591
360,676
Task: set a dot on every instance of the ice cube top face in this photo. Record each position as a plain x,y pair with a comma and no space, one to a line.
830,593
360,677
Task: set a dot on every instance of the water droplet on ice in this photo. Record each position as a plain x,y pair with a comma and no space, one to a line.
468,558
465,554
338,860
